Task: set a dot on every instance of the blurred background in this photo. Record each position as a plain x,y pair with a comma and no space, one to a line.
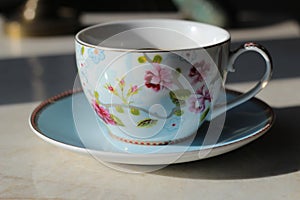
37,36
46,17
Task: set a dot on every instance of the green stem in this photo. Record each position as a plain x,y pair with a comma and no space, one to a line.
124,100
141,109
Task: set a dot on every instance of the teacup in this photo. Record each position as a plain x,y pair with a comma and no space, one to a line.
154,82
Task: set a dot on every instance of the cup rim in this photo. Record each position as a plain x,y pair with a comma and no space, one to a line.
78,40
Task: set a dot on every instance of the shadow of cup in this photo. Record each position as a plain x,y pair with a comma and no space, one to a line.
275,153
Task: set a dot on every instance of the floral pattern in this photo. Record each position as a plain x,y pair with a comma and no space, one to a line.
203,94
132,90
197,102
158,78
131,94
199,71
111,89
195,105
103,113
96,55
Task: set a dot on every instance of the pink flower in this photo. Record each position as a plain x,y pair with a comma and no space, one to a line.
203,94
134,89
110,88
103,114
158,78
122,82
197,103
199,71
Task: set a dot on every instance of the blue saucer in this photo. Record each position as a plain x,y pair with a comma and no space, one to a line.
67,121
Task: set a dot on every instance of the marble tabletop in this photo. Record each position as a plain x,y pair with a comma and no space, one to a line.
31,168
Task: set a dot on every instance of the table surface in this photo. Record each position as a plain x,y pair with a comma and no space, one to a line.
267,168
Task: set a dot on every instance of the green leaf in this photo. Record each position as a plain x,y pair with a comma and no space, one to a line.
172,95
178,70
157,59
119,109
146,123
181,94
117,120
178,112
142,59
134,111
82,50
178,96
177,102
96,94
204,114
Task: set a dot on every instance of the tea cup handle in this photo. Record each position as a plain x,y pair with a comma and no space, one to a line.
249,46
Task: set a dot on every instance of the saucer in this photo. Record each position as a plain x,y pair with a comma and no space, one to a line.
67,121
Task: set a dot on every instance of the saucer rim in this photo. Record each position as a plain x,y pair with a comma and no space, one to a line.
235,144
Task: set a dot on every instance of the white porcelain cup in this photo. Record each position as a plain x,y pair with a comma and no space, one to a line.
154,82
